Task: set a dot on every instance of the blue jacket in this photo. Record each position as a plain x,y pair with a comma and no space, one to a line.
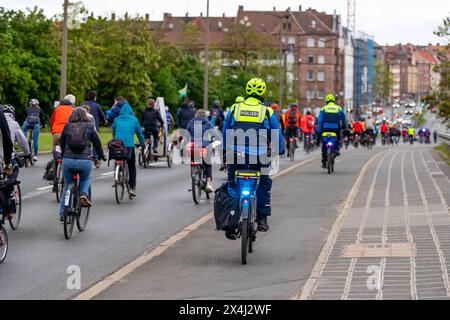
125,126
332,122
270,124
205,125
115,111
96,111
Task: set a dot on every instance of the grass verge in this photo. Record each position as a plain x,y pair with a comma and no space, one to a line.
444,152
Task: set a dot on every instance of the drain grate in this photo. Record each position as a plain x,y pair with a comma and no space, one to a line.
399,250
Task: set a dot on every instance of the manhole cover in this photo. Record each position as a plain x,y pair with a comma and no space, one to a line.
379,250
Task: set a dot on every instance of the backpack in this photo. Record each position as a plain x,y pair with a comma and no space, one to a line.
292,119
32,119
76,137
117,150
310,124
49,173
226,210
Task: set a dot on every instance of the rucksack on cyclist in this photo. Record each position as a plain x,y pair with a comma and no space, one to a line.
310,124
226,210
117,150
292,119
76,137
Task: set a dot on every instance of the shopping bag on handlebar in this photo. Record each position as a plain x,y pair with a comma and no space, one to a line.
226,210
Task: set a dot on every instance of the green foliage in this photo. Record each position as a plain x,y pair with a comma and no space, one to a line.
382,80
440,97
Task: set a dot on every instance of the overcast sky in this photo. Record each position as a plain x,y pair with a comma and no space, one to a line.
389,21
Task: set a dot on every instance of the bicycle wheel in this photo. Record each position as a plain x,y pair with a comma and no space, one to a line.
31,146
140,159
119,184
146,156
195,180
69,210
3,244
245,241
329,161
292,151
170,158
14,223
59,183
83,218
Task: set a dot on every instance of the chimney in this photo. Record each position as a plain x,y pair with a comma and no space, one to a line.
241,8
166,16
300,8
201,14
274,8
187,14
223,15
113,16
147,17
334,21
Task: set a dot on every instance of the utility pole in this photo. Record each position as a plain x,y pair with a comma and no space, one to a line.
206,77
63,83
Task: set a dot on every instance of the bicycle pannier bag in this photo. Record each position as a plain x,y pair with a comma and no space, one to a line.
226,210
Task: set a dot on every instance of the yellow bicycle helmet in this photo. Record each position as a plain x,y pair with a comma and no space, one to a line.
256,86
330,98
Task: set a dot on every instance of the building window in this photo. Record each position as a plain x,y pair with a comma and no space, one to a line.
321,76
291,40
310,59
310,94
311,43
321,60
321,43
320,94
310,76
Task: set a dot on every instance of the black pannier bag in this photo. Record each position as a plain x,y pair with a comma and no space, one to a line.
117,150
226,210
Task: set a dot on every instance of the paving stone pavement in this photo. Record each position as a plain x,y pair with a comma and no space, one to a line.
393,239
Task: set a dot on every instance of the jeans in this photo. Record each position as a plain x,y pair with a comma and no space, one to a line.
264,208
36,131
155,133
85,166
131,161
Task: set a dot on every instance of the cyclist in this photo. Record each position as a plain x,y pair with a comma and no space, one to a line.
411,133
307,126
33,121
152,122
357,130
76,139
7,148
125,126
185,114
279,115
59,119
216,116
95,109
201,121
16,135
331,120
114,112
293,124
392,133
370,127
435,135
253,115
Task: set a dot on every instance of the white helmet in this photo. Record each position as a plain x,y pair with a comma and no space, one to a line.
71,98
34,102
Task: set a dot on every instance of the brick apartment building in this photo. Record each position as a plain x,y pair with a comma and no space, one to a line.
310,42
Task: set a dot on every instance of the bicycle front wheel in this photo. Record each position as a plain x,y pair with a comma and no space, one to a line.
329,160
14,223
59,183
83,218
119,184
3,244
196,190
245,241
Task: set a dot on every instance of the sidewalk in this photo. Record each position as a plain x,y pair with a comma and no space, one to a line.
392,240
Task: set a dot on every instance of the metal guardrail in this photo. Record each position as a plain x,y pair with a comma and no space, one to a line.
445,137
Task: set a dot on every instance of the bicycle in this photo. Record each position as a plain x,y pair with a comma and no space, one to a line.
330,143
198,174
59,180
121,180
4,244
30,160
146,153
247,182
73,211
15,199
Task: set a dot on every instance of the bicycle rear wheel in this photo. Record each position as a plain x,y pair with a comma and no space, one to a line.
14,223
245,241
59,183
119,185
292,151
69,216
83,218
329,161
31,146
195,180
3,244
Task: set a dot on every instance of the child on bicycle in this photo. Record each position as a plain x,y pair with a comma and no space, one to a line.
197,128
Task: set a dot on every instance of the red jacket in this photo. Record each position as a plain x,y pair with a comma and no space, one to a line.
59,118
297,116
384,128
357,127
304,122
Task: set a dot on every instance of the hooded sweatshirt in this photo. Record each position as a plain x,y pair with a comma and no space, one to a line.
17,133
126,125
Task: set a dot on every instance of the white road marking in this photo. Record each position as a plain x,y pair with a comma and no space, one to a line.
129,268
44,188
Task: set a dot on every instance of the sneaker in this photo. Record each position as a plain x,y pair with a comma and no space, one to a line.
263,226
132,193
155,151
85,202
61,219
54,189
337,154
35,159
324,165
222,167
231,235
209,187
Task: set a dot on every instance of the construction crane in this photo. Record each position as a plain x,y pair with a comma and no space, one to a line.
351,16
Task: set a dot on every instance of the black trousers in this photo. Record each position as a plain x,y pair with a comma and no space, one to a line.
131,161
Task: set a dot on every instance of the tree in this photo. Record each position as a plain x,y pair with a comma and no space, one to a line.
382,80
440,96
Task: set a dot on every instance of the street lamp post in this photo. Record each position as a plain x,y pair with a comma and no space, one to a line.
206,76
63,83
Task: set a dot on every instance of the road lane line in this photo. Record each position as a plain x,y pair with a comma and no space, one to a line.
108,281
316,272
44,188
